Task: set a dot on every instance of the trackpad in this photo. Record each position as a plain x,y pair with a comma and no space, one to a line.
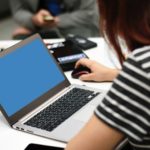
85,114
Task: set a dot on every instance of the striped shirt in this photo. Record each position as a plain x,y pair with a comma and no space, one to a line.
126,106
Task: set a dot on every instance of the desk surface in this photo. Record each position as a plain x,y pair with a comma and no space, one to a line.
16,140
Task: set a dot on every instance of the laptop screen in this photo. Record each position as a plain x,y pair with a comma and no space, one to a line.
25,74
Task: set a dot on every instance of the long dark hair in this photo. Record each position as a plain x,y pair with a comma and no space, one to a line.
129,19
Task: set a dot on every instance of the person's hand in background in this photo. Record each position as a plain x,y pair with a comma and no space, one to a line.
99,72
38,19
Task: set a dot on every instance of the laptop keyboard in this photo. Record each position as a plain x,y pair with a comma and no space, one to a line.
53,115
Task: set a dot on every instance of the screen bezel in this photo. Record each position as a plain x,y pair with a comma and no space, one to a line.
43,98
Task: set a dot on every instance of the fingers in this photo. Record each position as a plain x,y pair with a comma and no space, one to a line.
87,77
38,18
44,12
83,62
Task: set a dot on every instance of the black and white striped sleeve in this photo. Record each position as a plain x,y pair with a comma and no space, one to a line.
126,106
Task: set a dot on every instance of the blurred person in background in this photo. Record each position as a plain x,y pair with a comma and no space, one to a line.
55,18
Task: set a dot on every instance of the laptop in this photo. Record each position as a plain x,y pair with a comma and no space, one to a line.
37,98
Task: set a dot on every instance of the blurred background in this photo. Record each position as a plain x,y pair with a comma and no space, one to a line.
7,24
69,17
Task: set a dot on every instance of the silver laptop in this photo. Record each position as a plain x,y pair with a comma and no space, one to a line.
35,95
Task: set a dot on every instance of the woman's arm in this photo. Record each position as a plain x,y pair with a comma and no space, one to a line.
99,72
96,135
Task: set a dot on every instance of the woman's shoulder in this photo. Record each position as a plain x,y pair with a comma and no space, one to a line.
142,57
142,51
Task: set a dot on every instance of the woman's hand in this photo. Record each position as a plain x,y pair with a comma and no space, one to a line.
98,73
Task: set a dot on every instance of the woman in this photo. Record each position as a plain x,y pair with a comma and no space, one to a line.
125,110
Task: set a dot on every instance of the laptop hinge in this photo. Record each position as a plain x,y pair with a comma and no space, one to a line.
45,104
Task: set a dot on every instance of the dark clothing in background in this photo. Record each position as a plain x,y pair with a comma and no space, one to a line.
55,7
